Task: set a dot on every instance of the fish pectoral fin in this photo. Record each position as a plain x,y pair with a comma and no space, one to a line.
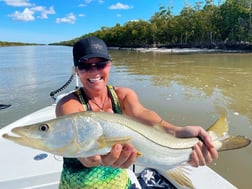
104,141
178,177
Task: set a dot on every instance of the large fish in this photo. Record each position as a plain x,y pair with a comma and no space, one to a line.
86,134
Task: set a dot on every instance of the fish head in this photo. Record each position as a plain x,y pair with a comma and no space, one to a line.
49,136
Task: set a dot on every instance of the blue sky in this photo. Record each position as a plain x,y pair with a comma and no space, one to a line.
47,21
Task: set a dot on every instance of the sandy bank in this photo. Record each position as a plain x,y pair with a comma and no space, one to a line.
178,50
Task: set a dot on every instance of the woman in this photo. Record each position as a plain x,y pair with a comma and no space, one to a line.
93,64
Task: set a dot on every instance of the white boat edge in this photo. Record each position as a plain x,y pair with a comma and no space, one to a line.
26,168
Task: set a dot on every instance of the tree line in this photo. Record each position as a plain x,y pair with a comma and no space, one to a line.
5,43
206,25
226,25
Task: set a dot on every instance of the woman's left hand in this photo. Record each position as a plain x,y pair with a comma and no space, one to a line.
122,156
204,151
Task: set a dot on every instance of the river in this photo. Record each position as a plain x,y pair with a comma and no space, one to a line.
185,89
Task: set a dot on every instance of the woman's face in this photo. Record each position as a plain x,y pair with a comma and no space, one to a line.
94,76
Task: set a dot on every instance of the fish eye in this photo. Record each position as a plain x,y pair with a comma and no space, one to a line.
43,127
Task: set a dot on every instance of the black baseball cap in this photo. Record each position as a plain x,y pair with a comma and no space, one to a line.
89,47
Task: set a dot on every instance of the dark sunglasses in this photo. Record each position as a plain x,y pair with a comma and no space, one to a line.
89,66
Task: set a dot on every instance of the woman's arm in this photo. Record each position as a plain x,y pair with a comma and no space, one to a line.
203,152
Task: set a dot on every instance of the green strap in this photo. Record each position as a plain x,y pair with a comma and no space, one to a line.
112,94
83,99
115,102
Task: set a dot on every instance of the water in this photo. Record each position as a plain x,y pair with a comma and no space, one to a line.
27,76
188,89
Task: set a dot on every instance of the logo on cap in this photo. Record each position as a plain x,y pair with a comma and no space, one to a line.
97,46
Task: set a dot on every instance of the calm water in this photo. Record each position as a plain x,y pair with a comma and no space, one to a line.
188,89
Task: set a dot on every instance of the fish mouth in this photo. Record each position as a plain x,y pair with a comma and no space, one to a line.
18,136
10,137
16,139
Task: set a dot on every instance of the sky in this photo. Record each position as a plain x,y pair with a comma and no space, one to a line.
48,21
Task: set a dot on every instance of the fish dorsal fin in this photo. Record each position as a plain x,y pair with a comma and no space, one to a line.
220,126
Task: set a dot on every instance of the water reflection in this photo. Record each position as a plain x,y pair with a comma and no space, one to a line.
27,75
224,78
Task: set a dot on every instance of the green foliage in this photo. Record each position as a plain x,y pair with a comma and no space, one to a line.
5,43
204,25
236,24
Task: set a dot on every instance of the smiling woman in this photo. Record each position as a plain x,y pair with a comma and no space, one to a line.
93,65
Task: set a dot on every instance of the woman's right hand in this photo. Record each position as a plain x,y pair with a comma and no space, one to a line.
122,156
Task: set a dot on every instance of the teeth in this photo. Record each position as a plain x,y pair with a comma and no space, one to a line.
95,79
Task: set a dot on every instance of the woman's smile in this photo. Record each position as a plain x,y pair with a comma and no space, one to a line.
94,80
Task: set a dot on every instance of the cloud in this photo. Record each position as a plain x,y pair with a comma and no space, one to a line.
18,3
90,1
28,14
82,5
86,2
69,19
44,12
120,6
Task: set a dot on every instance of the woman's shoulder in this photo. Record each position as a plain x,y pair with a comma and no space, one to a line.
69,97
124,92
68,104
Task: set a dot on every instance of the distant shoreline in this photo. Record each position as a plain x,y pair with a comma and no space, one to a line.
180,50
238,48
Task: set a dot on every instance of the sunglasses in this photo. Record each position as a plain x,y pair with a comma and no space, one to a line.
89,66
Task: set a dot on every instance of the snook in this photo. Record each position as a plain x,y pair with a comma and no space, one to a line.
86,134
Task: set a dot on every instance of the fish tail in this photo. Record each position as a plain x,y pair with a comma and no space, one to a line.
222,140
234,142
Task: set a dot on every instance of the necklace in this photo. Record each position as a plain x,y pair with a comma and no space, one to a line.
100,107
